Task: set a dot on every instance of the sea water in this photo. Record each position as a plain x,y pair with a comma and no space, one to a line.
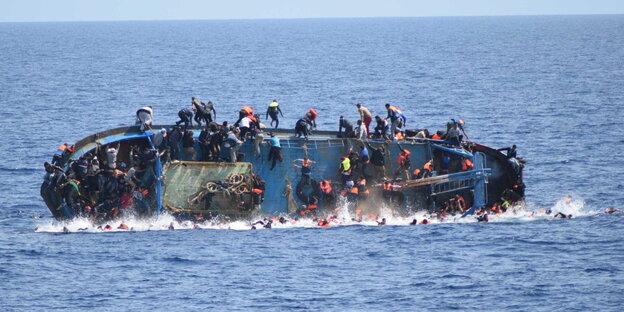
554,86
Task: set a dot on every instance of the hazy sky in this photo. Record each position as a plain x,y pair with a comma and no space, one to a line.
88,10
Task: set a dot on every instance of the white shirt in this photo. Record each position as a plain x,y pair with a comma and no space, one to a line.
246,122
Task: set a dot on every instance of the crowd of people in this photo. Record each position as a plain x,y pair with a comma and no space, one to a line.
105,187
109,186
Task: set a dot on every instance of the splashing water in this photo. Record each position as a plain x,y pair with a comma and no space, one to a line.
521,212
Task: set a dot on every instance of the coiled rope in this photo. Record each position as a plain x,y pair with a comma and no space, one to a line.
234,184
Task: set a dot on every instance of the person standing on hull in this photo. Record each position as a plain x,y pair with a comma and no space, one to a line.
145,117
382,128
246,126
396,118
309,119
453,136
233,144
246,111
365,116
347,126
273,110
186,117
203,111
360,131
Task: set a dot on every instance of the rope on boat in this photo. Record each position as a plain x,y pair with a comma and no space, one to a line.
234,184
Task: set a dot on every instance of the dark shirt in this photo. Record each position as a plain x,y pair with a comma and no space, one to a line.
344,123
187,140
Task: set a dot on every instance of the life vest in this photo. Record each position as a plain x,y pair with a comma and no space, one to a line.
466,164
416,173
402,159
273,104
247,109
395,109
354,190
399,136
428,166
436,137
325,187
312,206
387,186
346,164
258,191
143,191
313,113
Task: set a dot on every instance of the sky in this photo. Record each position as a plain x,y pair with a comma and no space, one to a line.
118,10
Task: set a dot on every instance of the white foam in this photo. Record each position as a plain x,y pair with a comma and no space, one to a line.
344,217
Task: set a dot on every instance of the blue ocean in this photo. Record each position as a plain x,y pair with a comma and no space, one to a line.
552,85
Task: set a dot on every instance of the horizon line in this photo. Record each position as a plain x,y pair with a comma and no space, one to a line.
304,18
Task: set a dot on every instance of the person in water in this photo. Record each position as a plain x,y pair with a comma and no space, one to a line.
561,215
273,110
483,218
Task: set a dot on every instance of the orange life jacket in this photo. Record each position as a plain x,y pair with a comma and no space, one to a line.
436,137
387,186
416,172
313,113
257,191
403,157
466,164
396,109
354,190
428,166
325,187
399,136
312,206
247,109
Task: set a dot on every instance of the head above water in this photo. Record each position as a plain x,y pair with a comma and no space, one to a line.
358,105
387,105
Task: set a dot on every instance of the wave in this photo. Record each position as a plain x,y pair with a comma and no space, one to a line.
343,217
